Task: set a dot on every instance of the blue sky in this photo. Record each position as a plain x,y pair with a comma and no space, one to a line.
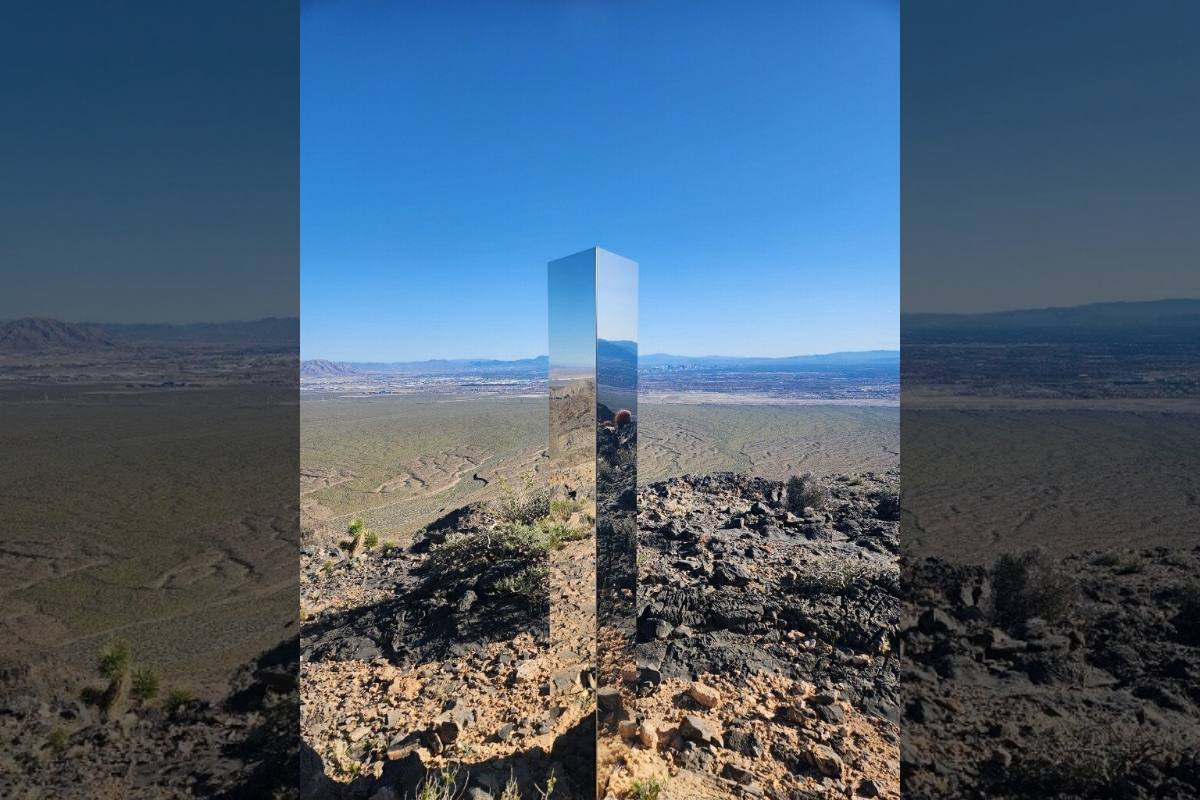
745,154
1070,179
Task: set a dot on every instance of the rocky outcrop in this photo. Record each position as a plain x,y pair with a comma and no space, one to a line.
1090,691
766,653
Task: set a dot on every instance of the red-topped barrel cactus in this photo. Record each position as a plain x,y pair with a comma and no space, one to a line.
623,417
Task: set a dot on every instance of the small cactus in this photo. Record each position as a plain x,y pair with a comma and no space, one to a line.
623,417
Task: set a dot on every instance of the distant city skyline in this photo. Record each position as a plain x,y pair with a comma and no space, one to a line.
747,158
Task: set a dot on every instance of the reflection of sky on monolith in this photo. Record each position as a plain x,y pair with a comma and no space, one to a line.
616,505
572,559
572,317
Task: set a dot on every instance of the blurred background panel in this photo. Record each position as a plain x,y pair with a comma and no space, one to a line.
1050,397
149,345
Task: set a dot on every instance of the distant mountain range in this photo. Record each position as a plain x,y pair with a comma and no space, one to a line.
1134,320
614,354
321,368
39,335
856,358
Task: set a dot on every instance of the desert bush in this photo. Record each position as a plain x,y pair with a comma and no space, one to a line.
529,583
441,785
359,534
1030,585
646,789
523,507
548,790
468,555
327,567
115,659
887,505
178,698
370,539
511,790
1085,760
558,535
57,741
1127,563
804,491
143,685
832,576
114,665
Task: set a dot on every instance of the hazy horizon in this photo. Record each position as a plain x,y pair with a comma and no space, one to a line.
352,360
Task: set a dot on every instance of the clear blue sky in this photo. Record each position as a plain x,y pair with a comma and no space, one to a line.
1049,153
745,154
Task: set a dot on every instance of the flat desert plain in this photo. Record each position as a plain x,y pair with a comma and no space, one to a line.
984,481
400,461
154,516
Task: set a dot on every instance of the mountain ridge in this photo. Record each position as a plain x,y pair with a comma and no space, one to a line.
29,335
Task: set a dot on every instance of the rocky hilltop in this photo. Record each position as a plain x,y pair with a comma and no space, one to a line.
64,738
1038,677
766,664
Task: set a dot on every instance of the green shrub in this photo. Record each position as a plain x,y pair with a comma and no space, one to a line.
1030,585
370,539
887,505
143,686
57,741
115,659
804,491
646,789
178,698
1127,563
440,785
530,583
523,507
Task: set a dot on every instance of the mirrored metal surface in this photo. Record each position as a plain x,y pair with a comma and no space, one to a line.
616,503
572,553
593,483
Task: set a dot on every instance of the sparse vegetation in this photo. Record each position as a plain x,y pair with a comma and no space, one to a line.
441,785
125,680
804,491
887,505
1030,585
515,554
1088,760
1123,563
530,583
327,567
832,576
360,537
143,685
178,698
115,659
646,789
57,741
114,666
546,792
523,507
